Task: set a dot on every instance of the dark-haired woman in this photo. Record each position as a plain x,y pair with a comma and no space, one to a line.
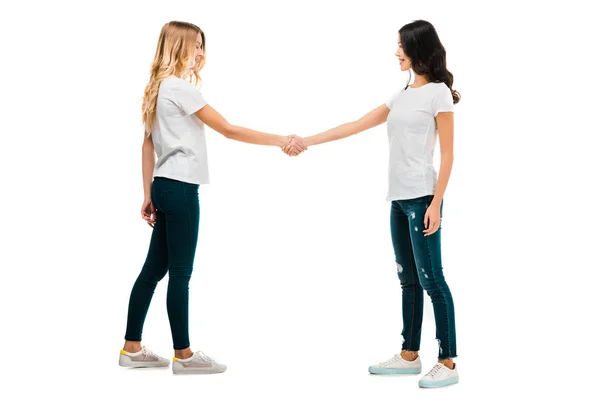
416,116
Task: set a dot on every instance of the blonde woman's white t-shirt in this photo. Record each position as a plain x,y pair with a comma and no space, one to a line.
412,135
178,135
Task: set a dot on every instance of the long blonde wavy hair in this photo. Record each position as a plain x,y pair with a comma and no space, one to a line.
174,51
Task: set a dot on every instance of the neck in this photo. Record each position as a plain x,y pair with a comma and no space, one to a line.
420,80
181,74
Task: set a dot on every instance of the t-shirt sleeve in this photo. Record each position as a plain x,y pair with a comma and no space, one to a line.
392,98
442,101
188,98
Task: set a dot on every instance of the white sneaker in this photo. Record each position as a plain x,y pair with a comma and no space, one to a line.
397,365
199,363
142,359
439,376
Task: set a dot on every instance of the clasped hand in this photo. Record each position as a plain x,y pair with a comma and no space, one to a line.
295,146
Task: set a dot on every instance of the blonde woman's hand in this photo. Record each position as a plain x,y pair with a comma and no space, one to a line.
148,212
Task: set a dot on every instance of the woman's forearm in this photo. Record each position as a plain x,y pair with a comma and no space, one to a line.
339,132
446,161
246,135
148,160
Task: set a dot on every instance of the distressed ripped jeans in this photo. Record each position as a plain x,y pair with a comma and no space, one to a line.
419,264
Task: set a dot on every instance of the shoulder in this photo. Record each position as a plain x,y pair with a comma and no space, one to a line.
439,88
439,91
177,84
395,95
176,88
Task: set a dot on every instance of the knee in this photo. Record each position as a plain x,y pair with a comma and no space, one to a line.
407,279
180,272
432,286
152,274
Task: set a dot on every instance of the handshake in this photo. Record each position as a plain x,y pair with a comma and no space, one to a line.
295,146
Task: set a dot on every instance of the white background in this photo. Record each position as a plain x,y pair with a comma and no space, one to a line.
295,285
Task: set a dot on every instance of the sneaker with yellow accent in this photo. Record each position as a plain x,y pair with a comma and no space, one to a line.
199,363
142,359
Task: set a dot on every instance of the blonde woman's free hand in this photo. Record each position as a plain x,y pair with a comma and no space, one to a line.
148,212
432,219
295,146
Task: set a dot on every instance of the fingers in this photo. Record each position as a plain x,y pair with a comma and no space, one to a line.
299,142
148,213
433,227
151,219
296,142
288,150
293,148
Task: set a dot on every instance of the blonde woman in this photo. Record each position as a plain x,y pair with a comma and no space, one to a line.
174,113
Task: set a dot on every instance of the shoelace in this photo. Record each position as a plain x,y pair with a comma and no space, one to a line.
390,361
435,371
149,353
204,357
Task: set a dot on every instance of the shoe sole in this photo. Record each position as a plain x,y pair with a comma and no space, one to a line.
198,371
394,371
123,362
438,384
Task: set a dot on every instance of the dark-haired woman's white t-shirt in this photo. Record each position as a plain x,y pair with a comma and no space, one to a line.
412,135
178,135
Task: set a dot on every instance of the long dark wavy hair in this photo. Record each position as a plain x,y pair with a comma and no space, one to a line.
422,45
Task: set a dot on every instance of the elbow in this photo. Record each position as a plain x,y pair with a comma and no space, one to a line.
229,131
358,126
447,157
147,143
147,147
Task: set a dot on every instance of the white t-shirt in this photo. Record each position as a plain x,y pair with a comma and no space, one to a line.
412,135
178,135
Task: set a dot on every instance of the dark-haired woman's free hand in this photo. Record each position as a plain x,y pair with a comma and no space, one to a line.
432,219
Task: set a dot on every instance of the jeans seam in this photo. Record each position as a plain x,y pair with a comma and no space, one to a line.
187,208
412,270
443,296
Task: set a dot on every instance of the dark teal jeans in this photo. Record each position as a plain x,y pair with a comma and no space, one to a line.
419,263
172,249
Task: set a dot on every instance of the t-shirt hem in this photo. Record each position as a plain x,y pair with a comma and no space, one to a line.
196,109
398,197
182,179
443,110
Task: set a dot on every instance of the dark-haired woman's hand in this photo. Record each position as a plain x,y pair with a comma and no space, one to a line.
148,212
432,219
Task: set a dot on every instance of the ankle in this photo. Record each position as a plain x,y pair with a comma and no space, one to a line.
132,347
184,353
448,363
409,355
